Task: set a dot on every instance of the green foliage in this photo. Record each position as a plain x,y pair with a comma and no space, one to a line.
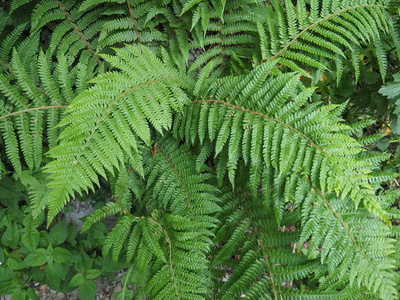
55,257
392,92
127,101
239,144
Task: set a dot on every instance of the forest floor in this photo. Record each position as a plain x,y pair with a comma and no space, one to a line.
105,291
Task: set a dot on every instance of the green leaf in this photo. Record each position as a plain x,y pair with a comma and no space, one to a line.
1,256
31,294
31,222
45,239
35,259
86,259
78,279
10,237
56,272
27,178
19,294
383,144
93,273
14,264
392,89
87,290
72,233
10,195
30,239
61,255
59,233
124,294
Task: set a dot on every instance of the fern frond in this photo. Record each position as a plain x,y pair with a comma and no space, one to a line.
75,30
109,209
297,151
178,189
256,259
145,91
272,104
232,33
326,32
127,21
15,4
169,242
38,195
262,268
32,109
9,42
116,238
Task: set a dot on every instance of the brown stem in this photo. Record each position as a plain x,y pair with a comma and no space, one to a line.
133,20
32,109
78,32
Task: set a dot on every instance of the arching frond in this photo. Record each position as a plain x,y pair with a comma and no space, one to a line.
328,32
112,114
298,153
170,241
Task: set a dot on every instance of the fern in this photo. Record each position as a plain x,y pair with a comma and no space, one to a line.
281,140
304,40
297,150
127,101
300,40
232,175
170,240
